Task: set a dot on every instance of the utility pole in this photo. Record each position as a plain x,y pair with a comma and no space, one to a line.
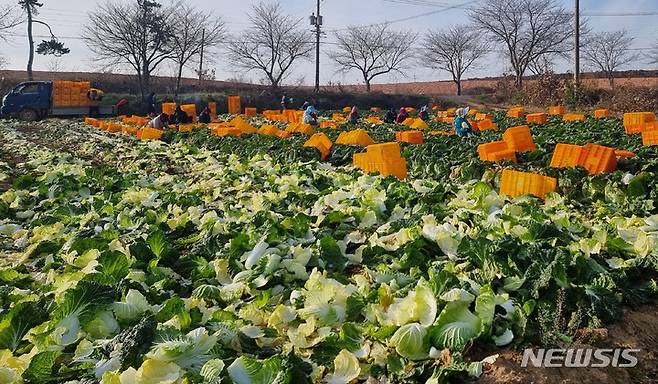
203,44
576,70
317,22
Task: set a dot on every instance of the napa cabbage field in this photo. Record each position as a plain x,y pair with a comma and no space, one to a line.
200,259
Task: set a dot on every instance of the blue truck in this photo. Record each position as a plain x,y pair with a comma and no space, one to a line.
34,100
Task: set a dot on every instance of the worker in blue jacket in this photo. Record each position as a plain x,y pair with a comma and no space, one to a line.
462,127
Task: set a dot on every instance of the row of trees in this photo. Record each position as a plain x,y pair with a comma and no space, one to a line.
143,34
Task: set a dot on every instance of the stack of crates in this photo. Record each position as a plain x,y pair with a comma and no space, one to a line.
384,159
322,143
594,158
71,93
639,122
356,137
234,106
411,137
514,184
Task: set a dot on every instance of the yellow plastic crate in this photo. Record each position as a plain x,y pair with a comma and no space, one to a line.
322,143
638,122
519,139
514,184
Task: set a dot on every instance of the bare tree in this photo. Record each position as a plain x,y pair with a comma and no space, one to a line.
609,51
9,18
46,47
373,50
527,29
194,31
455,50
273,43
136,34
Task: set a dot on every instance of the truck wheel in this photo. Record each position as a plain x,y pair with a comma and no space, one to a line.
29,115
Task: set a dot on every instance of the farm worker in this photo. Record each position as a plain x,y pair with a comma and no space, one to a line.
121,106
180,117
305,105
284,102
150,101
462,127
390,116
160,122
402,116
354,115
204,117
311,115
423,114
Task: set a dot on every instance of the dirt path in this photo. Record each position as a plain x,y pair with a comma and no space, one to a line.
638,330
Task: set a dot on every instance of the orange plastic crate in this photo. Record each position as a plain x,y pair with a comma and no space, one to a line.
536,118
375,109
384,151
419,124
624,154
149,134
485,150
322,143
638,122
650,138
408,121
190,110
556,110
129,130
226,131
234,107
482,116
356,137
250,112
328,124
347,109
518,112
169,108
212,106
602,113
412,137
566,156
487,125
395,167
514,184
519,139
598,159
573,117
508,155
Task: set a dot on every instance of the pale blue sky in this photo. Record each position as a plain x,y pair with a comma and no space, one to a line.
67,17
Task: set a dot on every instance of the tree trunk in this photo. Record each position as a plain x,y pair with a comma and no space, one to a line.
367,85
459,86
519,79
30,39
178,80
611,80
